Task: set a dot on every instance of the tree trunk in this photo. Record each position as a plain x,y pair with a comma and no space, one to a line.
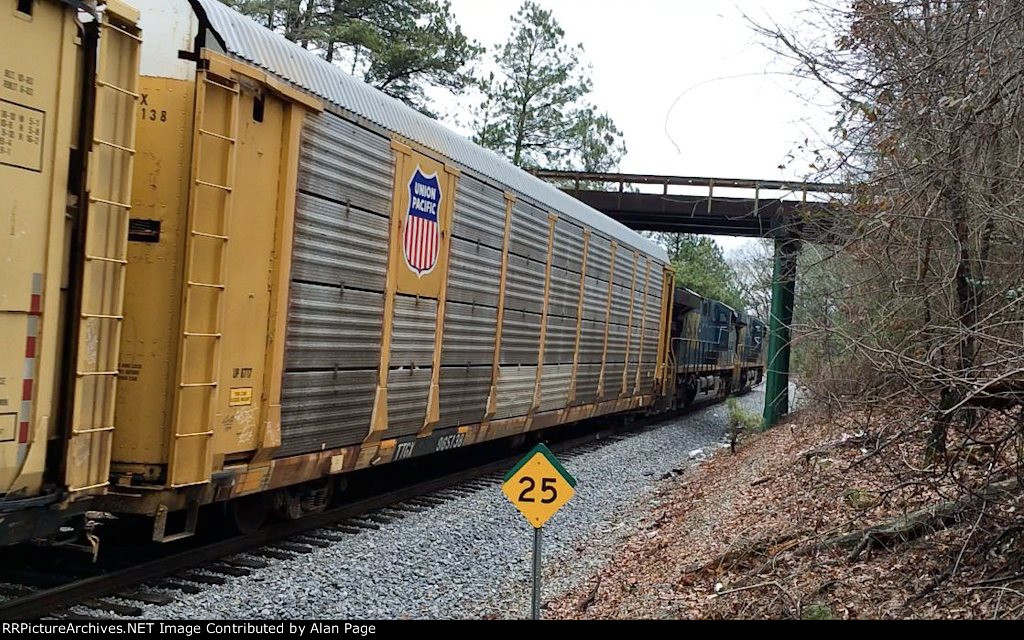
940,425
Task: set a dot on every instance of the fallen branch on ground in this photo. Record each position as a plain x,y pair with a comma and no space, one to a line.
916,524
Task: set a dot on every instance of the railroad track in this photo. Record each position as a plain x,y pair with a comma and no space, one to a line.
215,563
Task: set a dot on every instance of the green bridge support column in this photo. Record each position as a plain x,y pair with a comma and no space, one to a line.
776,401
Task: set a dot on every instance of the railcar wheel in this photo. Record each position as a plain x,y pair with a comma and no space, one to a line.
248,513
292,503
691,391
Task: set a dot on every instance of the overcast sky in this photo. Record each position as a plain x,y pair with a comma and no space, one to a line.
648,54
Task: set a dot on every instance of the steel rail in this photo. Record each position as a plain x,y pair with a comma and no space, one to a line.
50,600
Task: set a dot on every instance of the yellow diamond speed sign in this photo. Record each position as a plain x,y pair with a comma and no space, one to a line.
539,485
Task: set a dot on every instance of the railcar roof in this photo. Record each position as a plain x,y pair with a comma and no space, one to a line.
244,38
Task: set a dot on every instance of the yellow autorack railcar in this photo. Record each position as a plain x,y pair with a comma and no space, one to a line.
321,279
68,75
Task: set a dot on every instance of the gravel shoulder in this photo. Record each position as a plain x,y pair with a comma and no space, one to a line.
470,557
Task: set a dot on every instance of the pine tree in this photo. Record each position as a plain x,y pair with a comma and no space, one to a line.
534,110
399,46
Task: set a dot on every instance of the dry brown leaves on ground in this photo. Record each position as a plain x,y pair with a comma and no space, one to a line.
780,530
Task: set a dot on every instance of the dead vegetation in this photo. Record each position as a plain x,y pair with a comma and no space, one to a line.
901,497
771,532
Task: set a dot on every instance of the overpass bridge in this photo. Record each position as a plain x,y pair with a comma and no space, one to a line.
767,208
789,212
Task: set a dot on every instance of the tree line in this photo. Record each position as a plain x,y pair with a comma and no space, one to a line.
912,318
529,98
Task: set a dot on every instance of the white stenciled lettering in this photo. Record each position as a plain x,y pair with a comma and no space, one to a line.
425,206
426,191
452,441
404,450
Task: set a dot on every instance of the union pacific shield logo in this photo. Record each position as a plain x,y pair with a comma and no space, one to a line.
421,239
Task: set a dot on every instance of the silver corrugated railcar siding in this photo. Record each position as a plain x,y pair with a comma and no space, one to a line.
322,227
412,335
568,247
554,387
564,294
479,215
529,232
325,409
343,162
336,305
634,358
615,362
468,335
638,303
655,279
612,380
650,359
515,390
407,401
520,338
559,341
331,328
600,256
620,305
586,383
524,286
471,312
595,300
474,274
591,341
624,268
617,344
464,393
653,312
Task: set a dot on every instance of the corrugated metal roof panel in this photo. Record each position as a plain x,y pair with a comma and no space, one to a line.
245,39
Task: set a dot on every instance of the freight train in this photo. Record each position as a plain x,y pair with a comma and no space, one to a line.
234,274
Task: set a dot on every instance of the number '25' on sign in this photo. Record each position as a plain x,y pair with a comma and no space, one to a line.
539,485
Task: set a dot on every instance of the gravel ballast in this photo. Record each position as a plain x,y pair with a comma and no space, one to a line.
471,556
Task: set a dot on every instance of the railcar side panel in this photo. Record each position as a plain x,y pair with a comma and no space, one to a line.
322,226
216,197
346,178
475,271
587,377
38,91
152,287
479,212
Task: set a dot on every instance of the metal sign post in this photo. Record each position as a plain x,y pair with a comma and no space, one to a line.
538,486
537,534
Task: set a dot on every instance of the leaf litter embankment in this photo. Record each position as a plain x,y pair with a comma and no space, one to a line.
821,518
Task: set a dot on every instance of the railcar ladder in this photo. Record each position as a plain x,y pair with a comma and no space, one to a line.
105,249
215,149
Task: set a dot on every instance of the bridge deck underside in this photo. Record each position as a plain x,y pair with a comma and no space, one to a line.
700,214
